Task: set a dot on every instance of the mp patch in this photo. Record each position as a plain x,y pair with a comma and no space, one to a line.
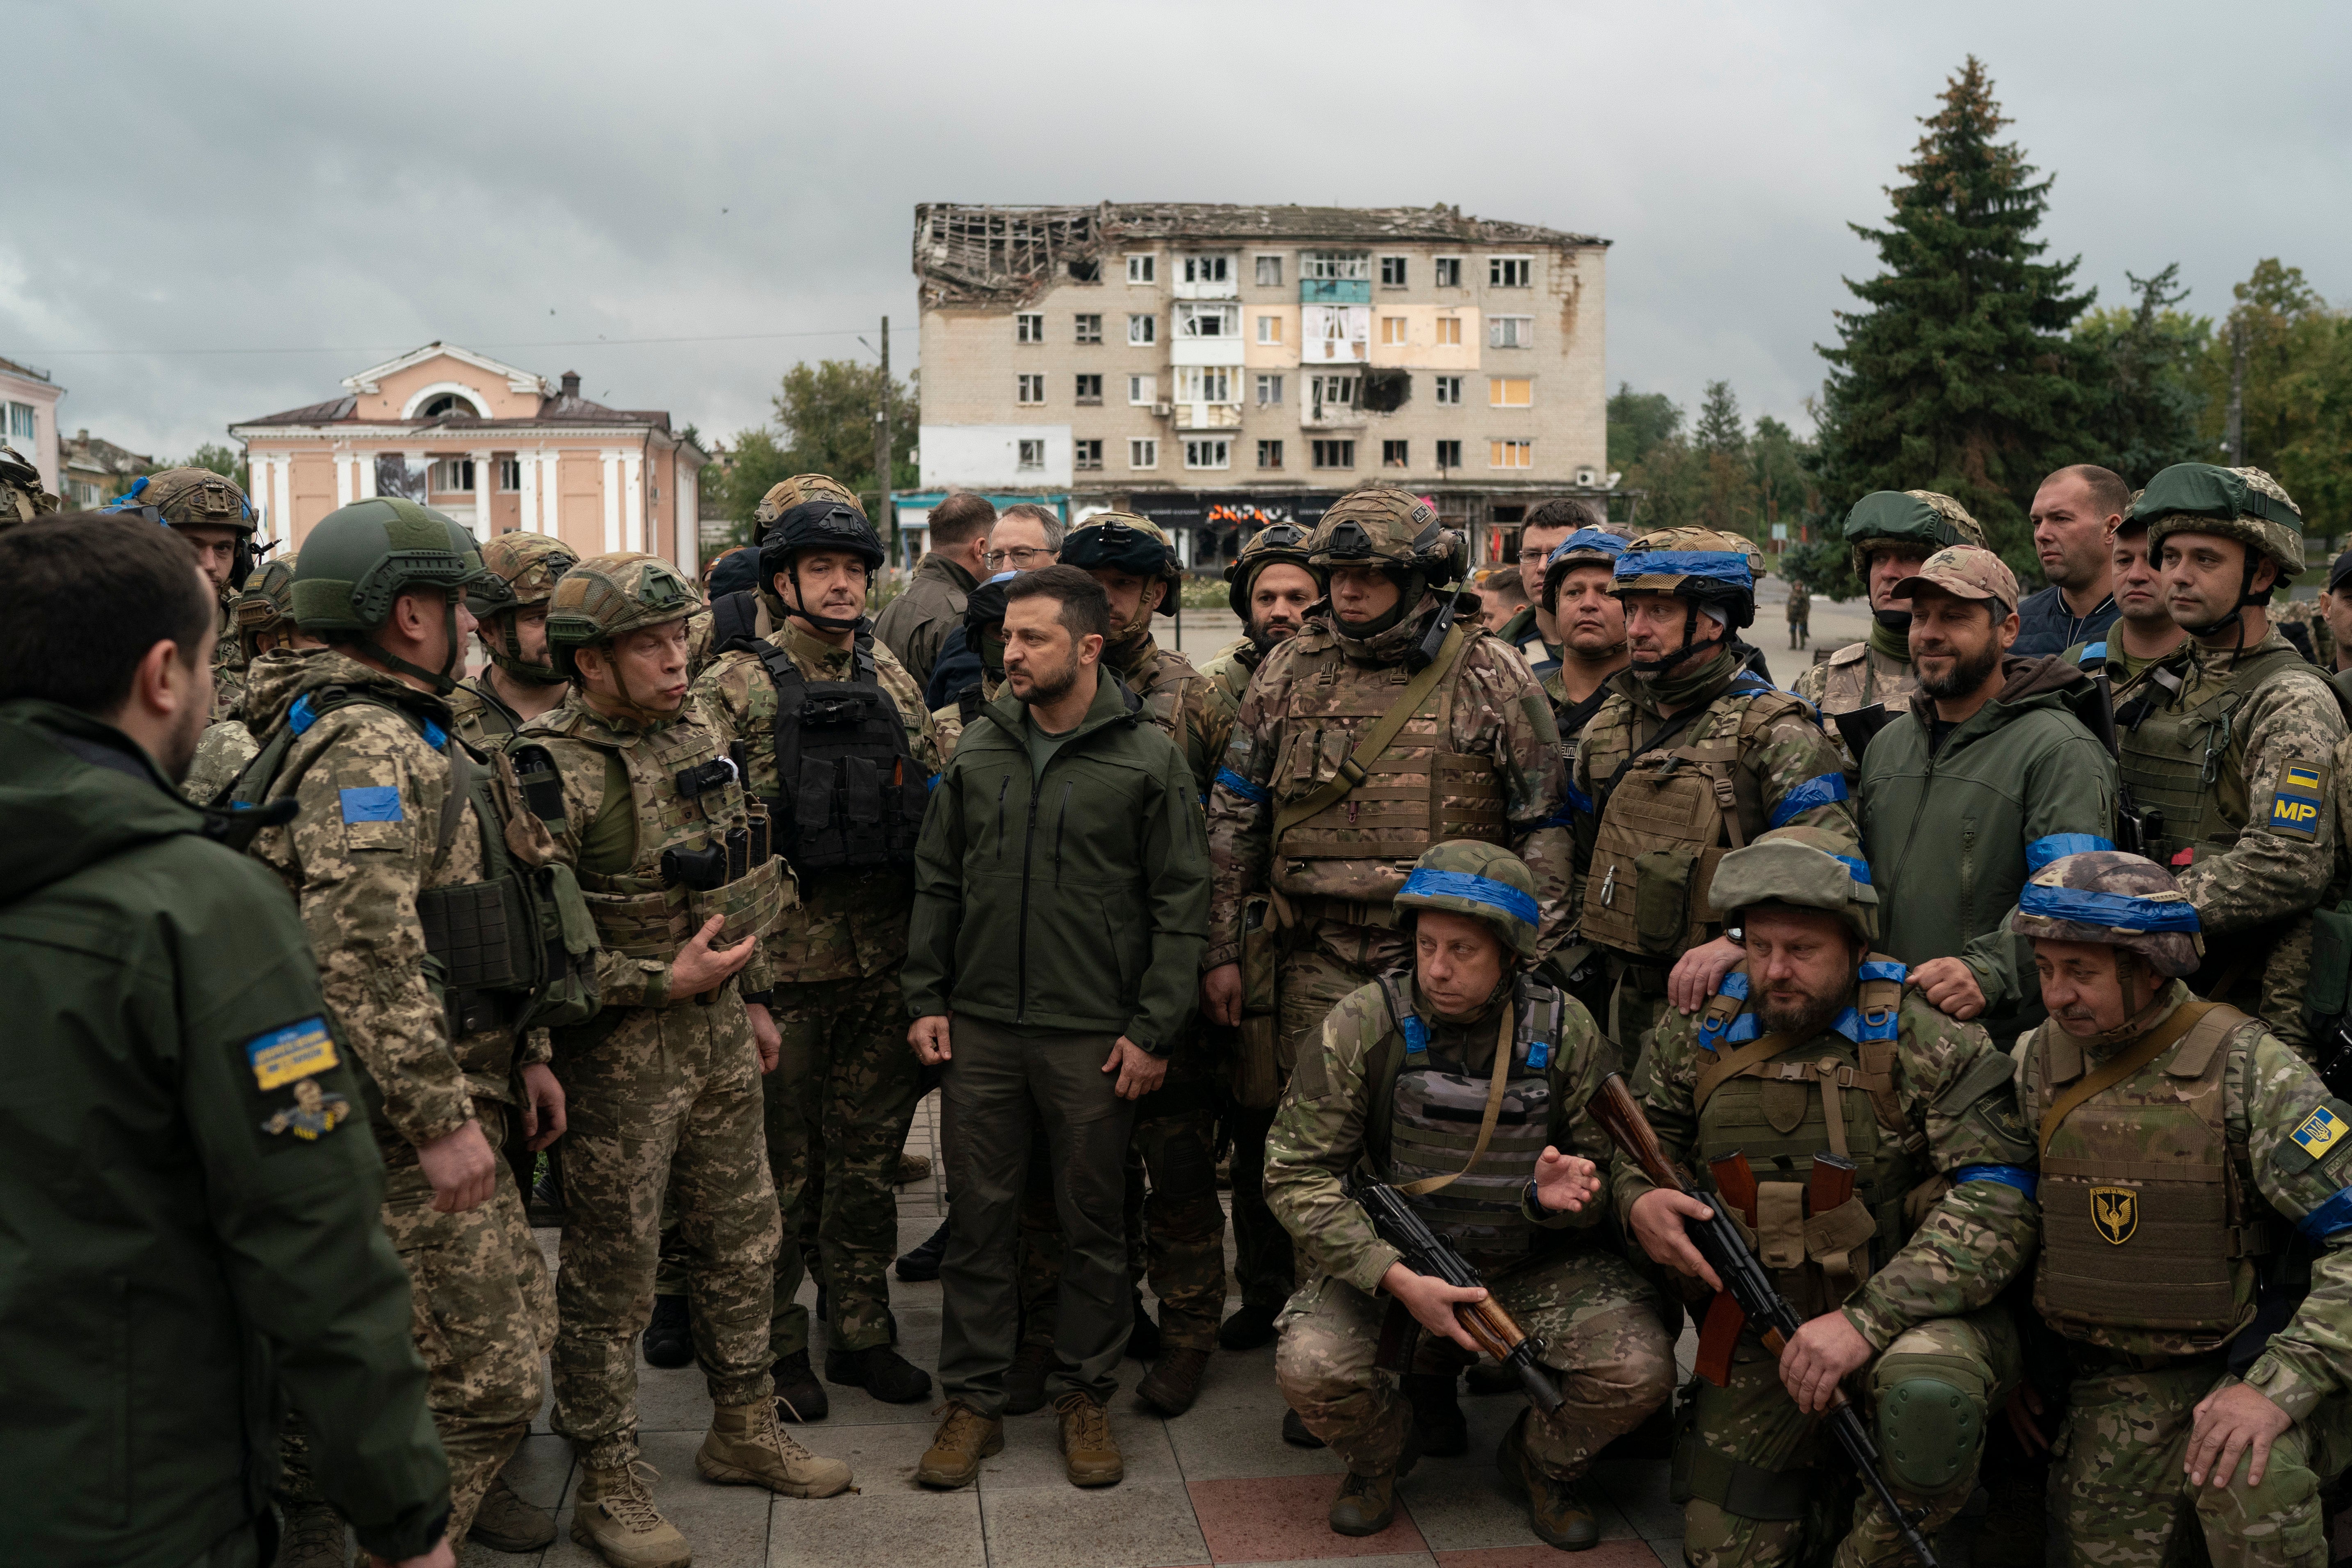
2320,1131
2295,805
296,1051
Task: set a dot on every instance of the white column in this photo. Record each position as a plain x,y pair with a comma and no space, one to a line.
687,497
634,471
528,463
365,462
347,482
482,496
281,498
551,493
612,502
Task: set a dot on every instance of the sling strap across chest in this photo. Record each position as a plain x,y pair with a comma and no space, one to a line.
2123,1065
1353,769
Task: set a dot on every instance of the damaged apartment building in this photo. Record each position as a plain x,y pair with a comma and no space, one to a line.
1217,368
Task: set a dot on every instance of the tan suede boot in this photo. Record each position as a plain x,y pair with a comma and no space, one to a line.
614,1516
747,1447
507,1523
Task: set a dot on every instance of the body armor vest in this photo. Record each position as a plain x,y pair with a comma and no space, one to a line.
1415,793
1858,676
849,794
1832,1094
702,843
2145,1231
1427,1112
1668,820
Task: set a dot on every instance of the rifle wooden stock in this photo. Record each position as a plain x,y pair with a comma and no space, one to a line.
1718,1334
1833,1183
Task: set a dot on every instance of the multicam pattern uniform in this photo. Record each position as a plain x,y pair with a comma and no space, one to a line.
841,1100
1857,676
1931,1309
1599,1323
355,860
1182,1243
662,1096
2117,1484
478,714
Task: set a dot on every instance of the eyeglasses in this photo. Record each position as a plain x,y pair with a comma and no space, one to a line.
1533,557
1023,556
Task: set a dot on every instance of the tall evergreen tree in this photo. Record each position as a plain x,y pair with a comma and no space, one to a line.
1720,429
2146,402
1960,377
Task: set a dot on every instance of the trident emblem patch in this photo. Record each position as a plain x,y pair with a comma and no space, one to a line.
2115,1213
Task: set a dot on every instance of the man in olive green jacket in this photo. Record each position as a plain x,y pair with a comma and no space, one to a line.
191,1192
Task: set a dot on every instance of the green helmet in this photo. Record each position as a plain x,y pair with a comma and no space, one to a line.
1122,542
1486,882
1810,867
2243,504
264,606
22,498
1284,542
361,557
606,595
786,494
1922,521
2121,900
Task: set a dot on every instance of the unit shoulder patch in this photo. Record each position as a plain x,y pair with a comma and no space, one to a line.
2297,804
299,1050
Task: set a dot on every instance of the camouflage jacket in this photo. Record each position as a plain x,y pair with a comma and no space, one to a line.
1498,710
481,716
372,780
1319,1129
1857,676
948,722
1185,706
228,669
1975,1237
2268,1097
1231,667
847,923
221,752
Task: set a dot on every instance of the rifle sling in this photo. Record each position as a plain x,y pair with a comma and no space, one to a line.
1493,1109
1336,788
2123,1066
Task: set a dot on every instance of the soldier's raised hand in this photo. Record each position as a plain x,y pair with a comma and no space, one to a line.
699,967
1565,1183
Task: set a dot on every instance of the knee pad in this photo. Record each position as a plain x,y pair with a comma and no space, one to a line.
1929,1430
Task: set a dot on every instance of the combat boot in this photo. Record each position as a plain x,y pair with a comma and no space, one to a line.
881,1372
797,1387
1444,1430
922,1263
1089,1453
746,1448
965,1438
1248,1328
311,1537
669,1336
1488,1378
1555,1511
1024,1381
614,1516
507,1523
1367,1503
1143,1339
912,1168
1174,1381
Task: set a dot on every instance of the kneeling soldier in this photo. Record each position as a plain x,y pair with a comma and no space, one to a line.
1410,1065
2181,1145
1897,1127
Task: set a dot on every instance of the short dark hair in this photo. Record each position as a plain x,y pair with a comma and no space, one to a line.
1085,608
2108,491
1561,512
955,520
83,596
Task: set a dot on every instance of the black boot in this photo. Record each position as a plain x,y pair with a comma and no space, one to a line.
803,1396
1444,1430
669,1338
1248,1328
923,1263
881,1372
1143,1341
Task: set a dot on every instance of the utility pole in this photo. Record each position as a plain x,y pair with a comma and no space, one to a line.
2235,435
884,519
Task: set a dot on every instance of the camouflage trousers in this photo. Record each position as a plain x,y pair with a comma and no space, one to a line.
1759,1485
664,1100
838,1107
1601,1333
2120,1496
1264,1268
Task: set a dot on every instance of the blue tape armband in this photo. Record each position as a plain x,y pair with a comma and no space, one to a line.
932,783
1502,896
435,736
374,802
2329,1217
1858,869
1810,795
2119,911
302,716
2057,845
1254,794
2094,653
2017,1176
1578,801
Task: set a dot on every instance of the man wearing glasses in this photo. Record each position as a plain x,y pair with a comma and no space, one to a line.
1532,630
1026,536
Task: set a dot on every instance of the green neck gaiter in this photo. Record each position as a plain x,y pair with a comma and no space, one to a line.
1680,691
1895,646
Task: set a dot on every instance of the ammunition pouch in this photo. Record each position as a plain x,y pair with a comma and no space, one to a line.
749,904
1256,1079
649,923
517,950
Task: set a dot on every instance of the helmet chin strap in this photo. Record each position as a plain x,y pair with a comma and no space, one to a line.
833,624
1656,667
1411,586
1895,621
442,680
2237,615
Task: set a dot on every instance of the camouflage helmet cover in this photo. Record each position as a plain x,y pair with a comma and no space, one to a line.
2243,504
1382,525
1276,543
22,498
607,595
265,604
1486,882
786,494
197,497
1124,542
2118,900
1807,868
523,570
1924,521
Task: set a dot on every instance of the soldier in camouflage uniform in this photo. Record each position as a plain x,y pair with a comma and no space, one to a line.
1272,608
839,1105
2180,1145
22,498
1813,1043
1577,595
1892,533
264,617
1407,1068
673,861
2229,742
1690,757
702,638
510,606
212,515
390,837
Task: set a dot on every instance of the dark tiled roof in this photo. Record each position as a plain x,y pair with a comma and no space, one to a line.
552,410
327,412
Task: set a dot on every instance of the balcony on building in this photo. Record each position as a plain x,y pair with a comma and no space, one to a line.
1334,278
1216,276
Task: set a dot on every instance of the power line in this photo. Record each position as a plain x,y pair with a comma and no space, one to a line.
395,348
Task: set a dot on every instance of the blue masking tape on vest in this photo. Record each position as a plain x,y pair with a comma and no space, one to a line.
1539,1055
1417,1036
1826,790
436,736
1243,787
2057,845
1579,801
301,717
2329,1217
2120,911
1859,1027
1881,969
2023,1180
1858,869
373,803
1428,883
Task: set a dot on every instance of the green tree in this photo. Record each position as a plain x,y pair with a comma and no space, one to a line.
1720,429
1638,423
1960,377
1785,492
1721,445
825,424
2145,361
226,461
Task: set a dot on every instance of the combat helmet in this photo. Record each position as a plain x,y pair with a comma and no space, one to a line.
1922,521
786,494
2243,504
607,595
264,607
361,557
1597,544
1807,868
2121,900
983,623
1484,881
1396,531
523,570
1122,542
196,498
821,522
22,498
1276,543
1706,566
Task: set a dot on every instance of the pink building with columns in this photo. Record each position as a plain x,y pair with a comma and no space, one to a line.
496,447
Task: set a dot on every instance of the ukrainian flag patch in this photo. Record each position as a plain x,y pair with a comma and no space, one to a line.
303,1049
2320,1131
2295,805
373,803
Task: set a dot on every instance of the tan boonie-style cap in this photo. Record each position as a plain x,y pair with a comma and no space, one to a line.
1965,572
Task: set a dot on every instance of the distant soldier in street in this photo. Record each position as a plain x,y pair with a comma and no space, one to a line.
1800,613
509,607
262,614
1591,625
2191,1167
916,623
833,731
1814,1047
1891,533
2229,742
2076,514
212,514
675,865
1532,630
1407,1066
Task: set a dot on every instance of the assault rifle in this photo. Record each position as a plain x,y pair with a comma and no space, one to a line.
1749,1287
2096,709
1425,1252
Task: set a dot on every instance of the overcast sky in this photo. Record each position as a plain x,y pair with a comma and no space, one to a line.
331,185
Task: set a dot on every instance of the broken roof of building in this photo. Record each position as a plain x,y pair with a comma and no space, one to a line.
1001,255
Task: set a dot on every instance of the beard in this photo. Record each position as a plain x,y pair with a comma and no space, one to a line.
1808,1018
1967,674
1265,637
1049,686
